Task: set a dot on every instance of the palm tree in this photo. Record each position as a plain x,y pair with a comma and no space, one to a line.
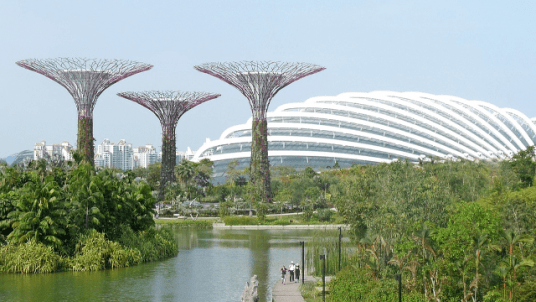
39,213
185,171
512,239
479,241
515,266
462,267
424,238
502,271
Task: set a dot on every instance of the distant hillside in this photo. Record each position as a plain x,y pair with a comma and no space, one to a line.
11,158
21,156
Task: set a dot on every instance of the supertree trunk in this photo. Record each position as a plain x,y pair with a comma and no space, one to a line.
168,106
259,163
85,138
259,82
167,172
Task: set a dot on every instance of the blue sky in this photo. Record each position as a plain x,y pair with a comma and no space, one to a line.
477,50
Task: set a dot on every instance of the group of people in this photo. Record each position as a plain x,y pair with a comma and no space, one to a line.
293,270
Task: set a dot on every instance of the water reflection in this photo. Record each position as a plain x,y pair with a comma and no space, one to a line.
213,265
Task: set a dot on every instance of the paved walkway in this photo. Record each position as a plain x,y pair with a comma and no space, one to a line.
282,227
288,292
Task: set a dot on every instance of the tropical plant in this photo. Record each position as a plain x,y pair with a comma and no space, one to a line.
39,213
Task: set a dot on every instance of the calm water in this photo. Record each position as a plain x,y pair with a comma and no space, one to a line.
212,265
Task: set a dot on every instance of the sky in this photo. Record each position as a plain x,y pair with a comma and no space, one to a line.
477,50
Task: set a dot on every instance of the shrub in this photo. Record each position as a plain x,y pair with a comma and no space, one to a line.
94,252
225,208
262,209
324,215
152,244
28,258
281,222
352,284
307,214
239,220
180,223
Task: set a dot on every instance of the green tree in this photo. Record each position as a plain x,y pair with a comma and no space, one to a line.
511,240
470,230
524,165
39,214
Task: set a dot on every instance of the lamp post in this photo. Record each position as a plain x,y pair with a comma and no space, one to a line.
302,243
340,237
399,278
323,258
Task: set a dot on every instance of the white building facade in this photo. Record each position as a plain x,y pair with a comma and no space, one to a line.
53,152
180,155
111,155
125,157
377,127
144,156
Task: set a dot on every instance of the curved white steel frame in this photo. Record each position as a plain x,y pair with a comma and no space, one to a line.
462,106
332,142
526,121
396,121
410,125
469,124
496,111
444,100
398,113
385,128
329,155
442,119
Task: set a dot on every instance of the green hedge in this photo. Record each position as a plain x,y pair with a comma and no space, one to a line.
180,223
239,220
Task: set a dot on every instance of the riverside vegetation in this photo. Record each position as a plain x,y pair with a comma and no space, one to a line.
58,216
454,230
194,194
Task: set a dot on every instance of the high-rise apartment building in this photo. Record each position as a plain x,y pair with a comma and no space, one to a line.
143,156
111,155
54,152
180,155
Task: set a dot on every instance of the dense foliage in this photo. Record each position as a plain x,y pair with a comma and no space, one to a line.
76,218
292,191
455,230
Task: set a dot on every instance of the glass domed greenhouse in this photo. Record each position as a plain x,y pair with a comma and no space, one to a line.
377,127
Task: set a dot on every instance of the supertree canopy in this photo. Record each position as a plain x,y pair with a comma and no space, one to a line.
259,82
85,79
168,106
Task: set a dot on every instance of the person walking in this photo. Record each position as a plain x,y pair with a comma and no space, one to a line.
297,271
291,271
283,273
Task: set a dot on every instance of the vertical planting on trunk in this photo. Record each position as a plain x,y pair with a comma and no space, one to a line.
260,165
84,141
167,172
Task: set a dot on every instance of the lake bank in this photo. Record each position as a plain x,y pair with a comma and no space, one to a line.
223,258
222,226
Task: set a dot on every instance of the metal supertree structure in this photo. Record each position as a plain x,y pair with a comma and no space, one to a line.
259,82
168,106
85,79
